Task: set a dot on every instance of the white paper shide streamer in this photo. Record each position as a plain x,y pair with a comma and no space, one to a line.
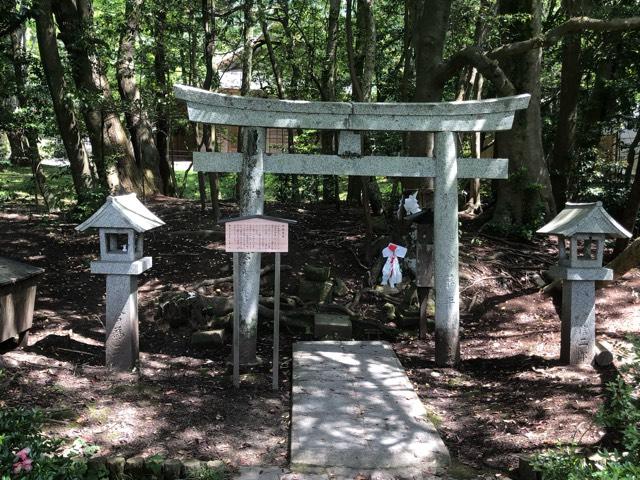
391,272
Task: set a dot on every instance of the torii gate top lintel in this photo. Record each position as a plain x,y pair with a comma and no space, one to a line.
466,116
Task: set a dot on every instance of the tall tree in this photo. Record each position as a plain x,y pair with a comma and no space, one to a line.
526,196
112,150
137,120
330,192
30,134
561,163
161,71
209,27
428,44
65,116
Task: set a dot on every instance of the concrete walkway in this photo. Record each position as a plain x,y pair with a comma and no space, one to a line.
355,408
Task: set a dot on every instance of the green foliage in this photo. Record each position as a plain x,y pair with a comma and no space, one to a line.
26,453
531,219
621,416
207,473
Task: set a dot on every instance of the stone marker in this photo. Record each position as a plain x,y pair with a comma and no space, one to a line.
604,354
208,338
121,222
581,229
254,114
333,327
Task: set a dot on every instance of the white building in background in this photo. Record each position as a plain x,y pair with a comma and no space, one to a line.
625,137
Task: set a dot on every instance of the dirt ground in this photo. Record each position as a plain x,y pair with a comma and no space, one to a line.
509,396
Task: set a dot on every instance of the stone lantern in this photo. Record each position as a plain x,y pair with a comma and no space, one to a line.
581,229
121,223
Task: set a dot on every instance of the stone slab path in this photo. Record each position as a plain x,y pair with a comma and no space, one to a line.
355,408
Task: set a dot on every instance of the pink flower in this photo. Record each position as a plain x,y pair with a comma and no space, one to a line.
24,462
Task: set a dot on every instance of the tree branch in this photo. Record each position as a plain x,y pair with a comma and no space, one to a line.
488,67
573,25
229,12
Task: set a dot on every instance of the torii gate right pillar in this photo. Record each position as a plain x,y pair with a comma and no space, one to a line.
445,249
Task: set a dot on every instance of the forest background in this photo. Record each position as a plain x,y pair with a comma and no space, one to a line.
91,82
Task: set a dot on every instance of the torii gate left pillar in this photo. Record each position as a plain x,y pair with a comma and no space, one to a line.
349,119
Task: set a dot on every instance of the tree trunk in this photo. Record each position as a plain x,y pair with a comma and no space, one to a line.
65,116
474,202
627,259
19,60
629,214
247,67
247,47
328,94
561,164
296,75
163,124
429,49
526,197
140,131
109,140
209,27
18,141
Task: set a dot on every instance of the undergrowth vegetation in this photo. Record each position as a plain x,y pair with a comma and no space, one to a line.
620,415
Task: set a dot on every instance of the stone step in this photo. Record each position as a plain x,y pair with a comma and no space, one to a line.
354,408
331,326
279,473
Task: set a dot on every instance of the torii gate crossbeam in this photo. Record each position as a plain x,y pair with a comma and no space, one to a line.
256,114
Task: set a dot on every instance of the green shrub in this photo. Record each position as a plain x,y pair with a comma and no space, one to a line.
621,415
207,473
25,453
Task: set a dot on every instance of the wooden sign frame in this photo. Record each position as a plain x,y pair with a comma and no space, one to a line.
256,234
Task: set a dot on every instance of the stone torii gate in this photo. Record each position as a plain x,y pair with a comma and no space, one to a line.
256,114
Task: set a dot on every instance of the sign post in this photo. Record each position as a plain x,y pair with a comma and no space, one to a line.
256,234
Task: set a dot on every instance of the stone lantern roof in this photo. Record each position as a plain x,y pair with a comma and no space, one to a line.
122,211
584,218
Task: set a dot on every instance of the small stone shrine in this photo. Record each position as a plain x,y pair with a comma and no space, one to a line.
252,235
121,223
581,229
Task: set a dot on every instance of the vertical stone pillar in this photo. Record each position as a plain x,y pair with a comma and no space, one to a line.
578,322
251,203
446,250
121,344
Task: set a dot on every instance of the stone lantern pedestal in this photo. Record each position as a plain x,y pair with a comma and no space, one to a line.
121,319
581,229
578,315
121,222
